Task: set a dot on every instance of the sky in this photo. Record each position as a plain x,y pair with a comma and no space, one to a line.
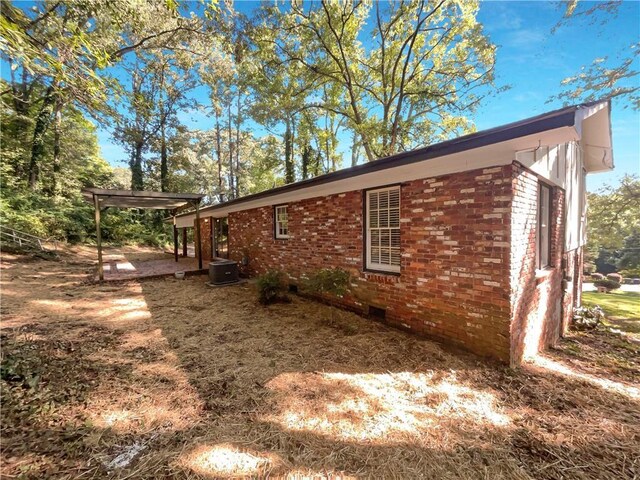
532,62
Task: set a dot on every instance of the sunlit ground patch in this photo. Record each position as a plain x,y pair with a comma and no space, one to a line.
314,475
385,408
546,364
226,460
131,308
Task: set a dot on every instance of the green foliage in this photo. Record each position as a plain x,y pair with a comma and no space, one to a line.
18,370
630,273
629,259
614,214
587,318
58,217
272,287
607,283
329,281
614,76
613,226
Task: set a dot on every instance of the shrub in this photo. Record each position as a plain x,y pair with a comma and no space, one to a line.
597,276
616,277
331,281
608,284
630,272
587,318
272,287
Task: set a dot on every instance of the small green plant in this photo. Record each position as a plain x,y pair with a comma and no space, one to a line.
608,284
272,287
587,318
330,282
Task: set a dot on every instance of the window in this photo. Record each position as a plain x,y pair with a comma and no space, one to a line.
543,251
383,229
281,223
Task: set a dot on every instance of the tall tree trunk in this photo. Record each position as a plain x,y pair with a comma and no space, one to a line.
57,127
136,166
289,172
231,179
238,121
38,149
306,160
355,150
316,166
219,157
21,103
164,164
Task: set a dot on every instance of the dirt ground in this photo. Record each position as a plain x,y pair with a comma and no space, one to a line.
174,379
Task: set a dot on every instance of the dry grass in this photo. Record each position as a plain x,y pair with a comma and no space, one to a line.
207,383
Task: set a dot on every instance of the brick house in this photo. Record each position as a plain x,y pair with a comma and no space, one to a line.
475,241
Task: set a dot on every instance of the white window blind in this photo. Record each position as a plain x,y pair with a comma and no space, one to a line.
383,229
281,222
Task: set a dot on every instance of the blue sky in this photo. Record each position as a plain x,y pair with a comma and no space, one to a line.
533,62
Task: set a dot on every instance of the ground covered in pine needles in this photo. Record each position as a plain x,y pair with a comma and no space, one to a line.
167,378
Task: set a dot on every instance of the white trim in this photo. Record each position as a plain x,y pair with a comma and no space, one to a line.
277,224
497,154
385,267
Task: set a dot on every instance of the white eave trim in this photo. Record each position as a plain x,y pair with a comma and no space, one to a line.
498,154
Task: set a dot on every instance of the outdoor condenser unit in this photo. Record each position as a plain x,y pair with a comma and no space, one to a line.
223,271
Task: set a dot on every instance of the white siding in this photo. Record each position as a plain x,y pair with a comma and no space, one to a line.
563,166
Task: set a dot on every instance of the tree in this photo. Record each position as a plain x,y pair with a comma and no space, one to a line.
613,222
279,88
629,261
423,77
612,77
66,45
614,213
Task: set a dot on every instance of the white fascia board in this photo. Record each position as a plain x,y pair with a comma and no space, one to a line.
594,126
497,154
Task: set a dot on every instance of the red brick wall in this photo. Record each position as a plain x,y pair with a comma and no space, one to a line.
454,281
536,297
572,296
206,229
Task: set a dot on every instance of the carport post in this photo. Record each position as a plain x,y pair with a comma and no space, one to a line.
184,241
175,237
96,204
199,238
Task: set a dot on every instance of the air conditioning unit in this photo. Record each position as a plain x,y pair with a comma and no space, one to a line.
223,271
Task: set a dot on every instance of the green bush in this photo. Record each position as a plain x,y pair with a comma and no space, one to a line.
272,287
331,281
607,283
597,276
630,273
587,318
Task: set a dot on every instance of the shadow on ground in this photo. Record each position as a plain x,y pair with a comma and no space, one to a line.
208,383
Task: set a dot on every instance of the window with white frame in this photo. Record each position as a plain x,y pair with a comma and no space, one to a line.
383,229
543,250
281,223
